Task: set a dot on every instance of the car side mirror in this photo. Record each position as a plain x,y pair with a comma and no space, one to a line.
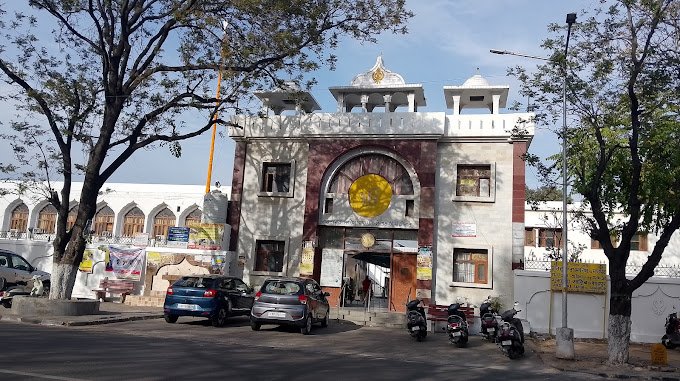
326,294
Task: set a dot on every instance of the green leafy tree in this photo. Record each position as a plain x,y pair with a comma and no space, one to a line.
623,73
543,193
113,77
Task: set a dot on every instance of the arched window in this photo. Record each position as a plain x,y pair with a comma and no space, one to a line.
71,219
19,221
163,220
133,223
193,217
374,164
47,219
103,221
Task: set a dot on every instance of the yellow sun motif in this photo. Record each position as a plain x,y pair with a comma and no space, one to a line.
370,195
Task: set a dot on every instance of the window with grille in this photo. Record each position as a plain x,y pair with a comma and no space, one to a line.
193,218
276,178
269,255
548,237
471,266
163,220
133,222
47,219
103,221
19,220
71,219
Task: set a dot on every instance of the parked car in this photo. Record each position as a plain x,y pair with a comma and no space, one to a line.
16,271
290,301
215,297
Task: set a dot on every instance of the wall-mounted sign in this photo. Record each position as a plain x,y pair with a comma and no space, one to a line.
424,263
307,260
178,236
463,229
205,236
581,277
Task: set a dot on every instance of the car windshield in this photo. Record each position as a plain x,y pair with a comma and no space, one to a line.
198,282
281,287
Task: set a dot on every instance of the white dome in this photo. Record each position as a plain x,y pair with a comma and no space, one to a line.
476,81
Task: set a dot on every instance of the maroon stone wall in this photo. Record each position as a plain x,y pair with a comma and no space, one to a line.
421,154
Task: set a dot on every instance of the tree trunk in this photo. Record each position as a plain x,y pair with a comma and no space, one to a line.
62,279
619,325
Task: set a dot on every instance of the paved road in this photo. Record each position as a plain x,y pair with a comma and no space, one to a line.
192,349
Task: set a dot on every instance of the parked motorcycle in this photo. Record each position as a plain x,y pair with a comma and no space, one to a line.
672,337
511,334
457,326
489,318
416,322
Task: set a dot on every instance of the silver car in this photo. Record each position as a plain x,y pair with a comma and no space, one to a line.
16,271
298,302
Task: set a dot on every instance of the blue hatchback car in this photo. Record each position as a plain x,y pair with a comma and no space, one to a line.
215,297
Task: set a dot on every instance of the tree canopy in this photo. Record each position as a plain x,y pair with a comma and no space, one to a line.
623,76
92,82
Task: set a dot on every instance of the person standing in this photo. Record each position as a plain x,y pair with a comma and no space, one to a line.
366,288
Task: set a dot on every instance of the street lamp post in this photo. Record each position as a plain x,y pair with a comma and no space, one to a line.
565,335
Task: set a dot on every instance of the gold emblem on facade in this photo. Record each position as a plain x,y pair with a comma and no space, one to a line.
370,195
367,240
378,75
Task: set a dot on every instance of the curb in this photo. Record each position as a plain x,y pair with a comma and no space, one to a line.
617,376
62,321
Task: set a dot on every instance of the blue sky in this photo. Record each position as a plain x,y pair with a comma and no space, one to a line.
448,41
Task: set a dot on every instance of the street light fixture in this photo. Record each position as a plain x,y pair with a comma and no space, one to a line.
565,335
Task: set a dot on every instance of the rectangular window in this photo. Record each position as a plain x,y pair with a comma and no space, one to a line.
276,177
529,237
470,265
410,208
473,180
639,242
269,256
549,237
328,206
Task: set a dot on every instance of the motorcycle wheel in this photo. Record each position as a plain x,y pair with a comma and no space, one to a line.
513,354
421,335
666,341
461,343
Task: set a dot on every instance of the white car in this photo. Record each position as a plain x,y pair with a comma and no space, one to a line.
16,271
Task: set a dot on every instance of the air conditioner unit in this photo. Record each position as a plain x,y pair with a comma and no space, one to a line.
37,231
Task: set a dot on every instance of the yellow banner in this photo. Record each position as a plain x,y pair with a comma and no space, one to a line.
581,277
87,262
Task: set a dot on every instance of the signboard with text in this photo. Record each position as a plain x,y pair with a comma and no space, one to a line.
581,277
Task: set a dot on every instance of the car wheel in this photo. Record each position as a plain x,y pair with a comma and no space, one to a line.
324,322
220,317
307,329
3,283
255,326
170,318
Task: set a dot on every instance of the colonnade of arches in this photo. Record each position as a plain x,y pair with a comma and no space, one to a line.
131,220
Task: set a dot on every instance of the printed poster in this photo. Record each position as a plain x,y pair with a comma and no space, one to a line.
205,236
307,260
464,229
126,262
424,264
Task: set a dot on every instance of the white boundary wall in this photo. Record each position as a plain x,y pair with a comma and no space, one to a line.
587,313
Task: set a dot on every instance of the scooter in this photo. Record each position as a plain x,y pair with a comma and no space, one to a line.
511,334
457,326
489,318
416,322
672,337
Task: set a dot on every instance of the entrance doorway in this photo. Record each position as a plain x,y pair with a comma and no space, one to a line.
372,252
